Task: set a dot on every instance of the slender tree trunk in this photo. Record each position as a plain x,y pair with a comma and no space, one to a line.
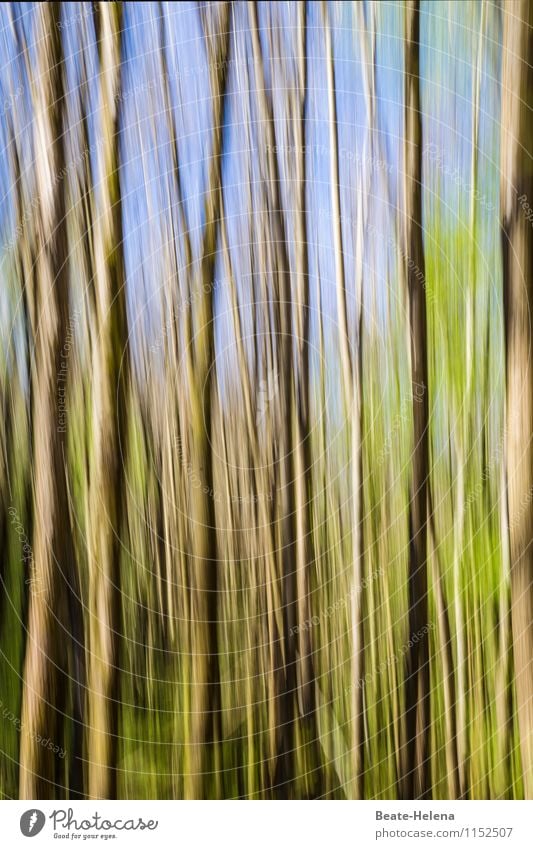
205,697
282,329
416,750
516,189
303,462
302,448
110,372
352,386
45,665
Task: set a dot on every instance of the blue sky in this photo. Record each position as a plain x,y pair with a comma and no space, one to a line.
449,44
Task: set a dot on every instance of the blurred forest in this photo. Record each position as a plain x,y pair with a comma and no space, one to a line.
266,377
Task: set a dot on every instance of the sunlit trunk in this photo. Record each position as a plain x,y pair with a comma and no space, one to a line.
516,189
352,391
110,378
41,771
205,732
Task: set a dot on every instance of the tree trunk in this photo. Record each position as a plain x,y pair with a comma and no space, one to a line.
46,660
205,696
416,747
109,416
352,387
516,189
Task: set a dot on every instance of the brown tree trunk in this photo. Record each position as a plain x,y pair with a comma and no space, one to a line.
109,417
205,696
46,661
351,366
416,747
516,190
282,330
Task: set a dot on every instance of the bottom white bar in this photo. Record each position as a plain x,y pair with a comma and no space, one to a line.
272,825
